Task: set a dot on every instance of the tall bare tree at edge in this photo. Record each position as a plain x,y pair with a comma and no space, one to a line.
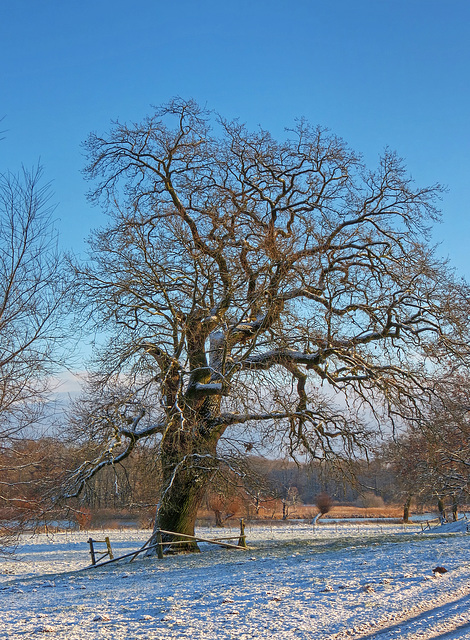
33,305
248,283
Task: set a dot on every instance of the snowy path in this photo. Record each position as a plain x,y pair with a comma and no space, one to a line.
446,618
340,582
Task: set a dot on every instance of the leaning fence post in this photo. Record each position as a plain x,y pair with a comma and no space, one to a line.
92,551
108,545
159,545
242,538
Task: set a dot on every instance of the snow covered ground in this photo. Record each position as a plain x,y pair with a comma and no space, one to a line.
339,581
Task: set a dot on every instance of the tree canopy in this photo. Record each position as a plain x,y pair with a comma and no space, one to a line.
247,284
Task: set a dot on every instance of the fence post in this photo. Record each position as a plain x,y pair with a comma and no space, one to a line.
92,551
242,538
108,545
159,545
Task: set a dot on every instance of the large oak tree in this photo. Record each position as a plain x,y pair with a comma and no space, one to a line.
251,283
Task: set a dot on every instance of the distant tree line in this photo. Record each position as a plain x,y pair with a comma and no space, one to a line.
35,468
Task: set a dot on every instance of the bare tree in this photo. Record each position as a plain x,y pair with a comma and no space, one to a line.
432,458
251,285
408,457
324,503
31,304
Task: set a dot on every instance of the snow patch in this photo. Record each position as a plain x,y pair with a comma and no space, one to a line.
335,582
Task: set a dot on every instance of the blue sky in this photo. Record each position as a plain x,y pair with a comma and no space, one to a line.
376,72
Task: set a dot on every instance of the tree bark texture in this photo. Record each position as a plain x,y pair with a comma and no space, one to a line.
189,461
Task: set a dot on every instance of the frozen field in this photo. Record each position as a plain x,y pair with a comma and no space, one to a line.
347,581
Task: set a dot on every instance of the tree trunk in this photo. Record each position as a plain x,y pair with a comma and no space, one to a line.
186,473
218,518
285,511
442,513
317,518
406,509
178,508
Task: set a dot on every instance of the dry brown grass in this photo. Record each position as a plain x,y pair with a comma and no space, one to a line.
365,512
273,511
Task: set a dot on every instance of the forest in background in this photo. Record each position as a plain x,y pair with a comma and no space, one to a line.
127,494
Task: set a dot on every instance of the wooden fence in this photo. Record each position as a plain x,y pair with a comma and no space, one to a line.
156,542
